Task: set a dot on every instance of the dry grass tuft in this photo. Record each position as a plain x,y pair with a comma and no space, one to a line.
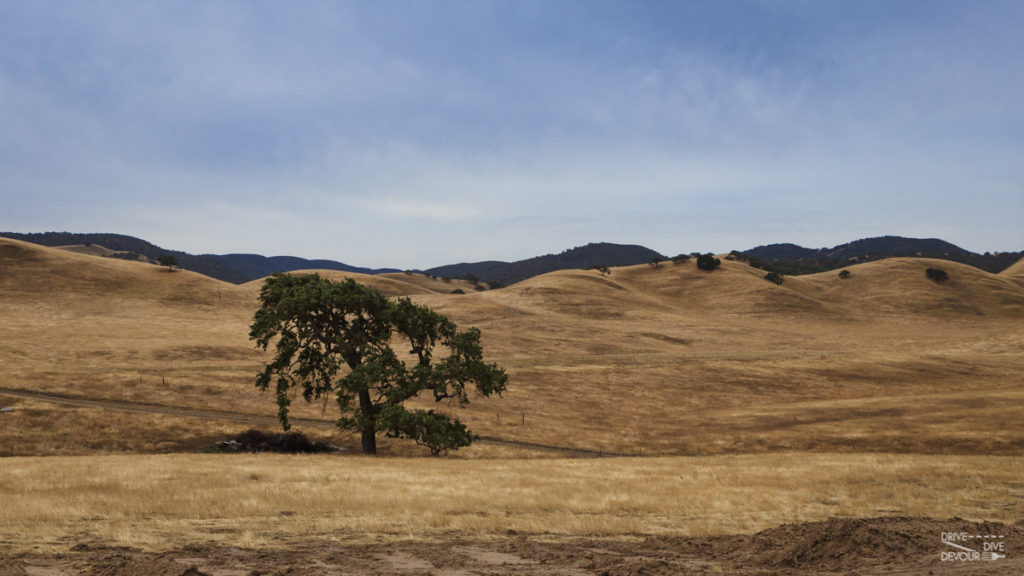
157,502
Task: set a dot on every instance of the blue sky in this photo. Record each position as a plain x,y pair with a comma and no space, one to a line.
415,134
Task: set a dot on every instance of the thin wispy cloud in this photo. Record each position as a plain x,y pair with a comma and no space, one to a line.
414,134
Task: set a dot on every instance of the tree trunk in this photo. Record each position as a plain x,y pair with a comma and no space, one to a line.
369,430
369,442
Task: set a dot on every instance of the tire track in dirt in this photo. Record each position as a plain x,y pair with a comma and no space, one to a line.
245,418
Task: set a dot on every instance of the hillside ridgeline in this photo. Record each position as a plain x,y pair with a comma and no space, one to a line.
652,359
791,259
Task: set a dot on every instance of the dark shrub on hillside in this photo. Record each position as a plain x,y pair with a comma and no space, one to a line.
708,262
739,256
774,278
258,441
681,259
458,291
844,274
937,274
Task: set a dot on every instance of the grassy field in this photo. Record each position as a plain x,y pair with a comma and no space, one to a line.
752,405
158,502
665,361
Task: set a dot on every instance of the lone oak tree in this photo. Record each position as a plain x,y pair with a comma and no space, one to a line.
168,260
335,338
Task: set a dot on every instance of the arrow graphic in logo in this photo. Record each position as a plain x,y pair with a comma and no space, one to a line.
964,548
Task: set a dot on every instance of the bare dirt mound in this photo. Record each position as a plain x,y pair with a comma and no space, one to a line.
838,546
846,545
126,563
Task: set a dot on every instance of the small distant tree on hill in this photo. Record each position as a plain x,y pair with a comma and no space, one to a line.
937,274
603,270
681,259
844,274
774,278
334,339
708,262
655,262
167,260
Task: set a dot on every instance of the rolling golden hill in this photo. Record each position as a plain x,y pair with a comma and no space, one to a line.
97,250
391,284
651,360
1015,271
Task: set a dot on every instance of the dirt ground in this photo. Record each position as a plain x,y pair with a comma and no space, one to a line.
839,546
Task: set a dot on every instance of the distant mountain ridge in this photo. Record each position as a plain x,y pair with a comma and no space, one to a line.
121,242
233,268
581,257
789,259
253,266
793,260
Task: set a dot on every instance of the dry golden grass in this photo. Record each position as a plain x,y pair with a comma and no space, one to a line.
872,396
669,360
159,502
46,430
391,284
92,249
645,361
438,285
1015,271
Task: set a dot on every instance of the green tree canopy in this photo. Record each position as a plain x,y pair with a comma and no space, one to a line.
167,260
335,339
708,262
